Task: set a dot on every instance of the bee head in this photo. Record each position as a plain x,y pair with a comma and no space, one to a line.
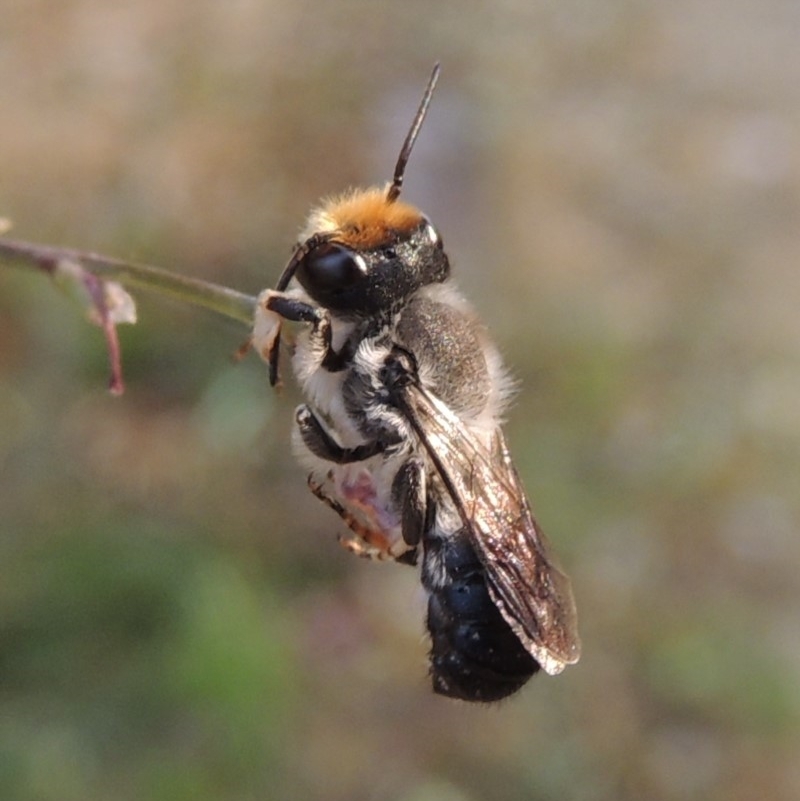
366,251
364,254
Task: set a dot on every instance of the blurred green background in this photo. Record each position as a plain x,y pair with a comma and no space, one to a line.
618,187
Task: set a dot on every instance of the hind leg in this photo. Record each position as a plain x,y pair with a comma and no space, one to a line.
366,542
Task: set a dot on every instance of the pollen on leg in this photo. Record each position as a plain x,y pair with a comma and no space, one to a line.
361,492
365,549
367,542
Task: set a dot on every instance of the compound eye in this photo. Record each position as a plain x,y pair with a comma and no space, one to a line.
331,267
433,235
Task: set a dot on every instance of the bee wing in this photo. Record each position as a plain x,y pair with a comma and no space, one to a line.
533,595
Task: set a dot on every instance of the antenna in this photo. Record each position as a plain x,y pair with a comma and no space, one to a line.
411,137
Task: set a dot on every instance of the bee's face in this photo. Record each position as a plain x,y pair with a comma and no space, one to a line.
373,255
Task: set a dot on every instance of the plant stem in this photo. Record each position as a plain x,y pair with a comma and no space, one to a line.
223,300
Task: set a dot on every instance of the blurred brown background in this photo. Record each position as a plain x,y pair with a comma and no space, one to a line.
618,186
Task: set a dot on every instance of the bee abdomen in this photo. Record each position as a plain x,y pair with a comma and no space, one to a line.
475,656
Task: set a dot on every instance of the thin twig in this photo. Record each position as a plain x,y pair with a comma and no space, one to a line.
98,281
223,300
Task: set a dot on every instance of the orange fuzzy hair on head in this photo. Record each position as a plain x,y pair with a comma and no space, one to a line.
362,219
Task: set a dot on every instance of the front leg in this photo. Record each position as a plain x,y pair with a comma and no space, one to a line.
300,311
273,307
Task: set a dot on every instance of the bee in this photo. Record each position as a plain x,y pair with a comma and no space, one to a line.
401,434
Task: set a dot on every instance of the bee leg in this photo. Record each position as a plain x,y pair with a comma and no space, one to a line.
366,542
298,311
323,445
409,493
408,558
